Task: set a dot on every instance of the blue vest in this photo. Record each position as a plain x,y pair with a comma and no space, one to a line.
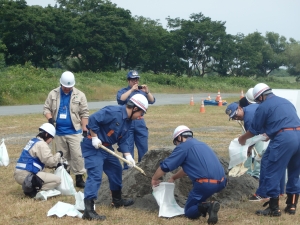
27,162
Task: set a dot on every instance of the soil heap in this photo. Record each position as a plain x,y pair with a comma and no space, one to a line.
138,186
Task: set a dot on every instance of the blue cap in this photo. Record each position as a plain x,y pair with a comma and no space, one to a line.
231,109
132,74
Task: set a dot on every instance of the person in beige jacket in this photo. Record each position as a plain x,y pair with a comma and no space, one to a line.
35,156
67,108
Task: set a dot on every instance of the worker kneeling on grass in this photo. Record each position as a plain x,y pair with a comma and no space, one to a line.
199,162
107,127
35,156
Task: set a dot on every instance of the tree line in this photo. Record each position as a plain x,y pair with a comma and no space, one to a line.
96,35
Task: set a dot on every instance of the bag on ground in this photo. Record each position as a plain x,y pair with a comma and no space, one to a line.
4,159
66,186
164,196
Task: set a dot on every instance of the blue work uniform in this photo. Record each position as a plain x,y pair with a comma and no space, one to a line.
277,117
248,117
138,133
111,124
28,162
204,169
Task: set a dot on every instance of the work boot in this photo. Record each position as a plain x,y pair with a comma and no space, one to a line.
272,210
212,209
291,203
118,201
79,181
89,212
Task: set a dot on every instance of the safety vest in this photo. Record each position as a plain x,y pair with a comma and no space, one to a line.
28,162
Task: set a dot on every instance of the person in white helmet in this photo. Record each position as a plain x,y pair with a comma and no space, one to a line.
35,156
138,133
277,117
107,127
66,108
199,162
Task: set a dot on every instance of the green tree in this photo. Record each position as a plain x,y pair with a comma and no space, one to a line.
293,58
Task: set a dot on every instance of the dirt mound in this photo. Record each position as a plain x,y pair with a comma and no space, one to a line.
138,186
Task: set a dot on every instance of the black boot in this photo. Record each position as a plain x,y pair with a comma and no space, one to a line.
89,212
212,208
79,181
291,203
118,201
272,210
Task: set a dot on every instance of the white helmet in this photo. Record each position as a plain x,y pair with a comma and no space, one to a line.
49,128
67,79
140,101
249,95
181,130
259,89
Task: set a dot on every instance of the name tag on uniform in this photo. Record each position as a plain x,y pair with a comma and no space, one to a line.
63,116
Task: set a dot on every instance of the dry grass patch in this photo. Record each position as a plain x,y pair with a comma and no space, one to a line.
211,127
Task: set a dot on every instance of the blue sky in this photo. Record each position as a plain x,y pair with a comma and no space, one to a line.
241,16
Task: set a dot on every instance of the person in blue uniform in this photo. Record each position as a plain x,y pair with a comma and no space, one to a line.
138,133
106,127
277,117
199,162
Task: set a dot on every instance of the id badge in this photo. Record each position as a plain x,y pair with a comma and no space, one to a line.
63,116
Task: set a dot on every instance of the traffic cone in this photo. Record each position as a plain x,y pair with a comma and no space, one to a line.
202,108
220,103
218,96
208,97
192,100
242,94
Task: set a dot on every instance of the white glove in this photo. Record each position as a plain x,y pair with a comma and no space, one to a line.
96,142
131,160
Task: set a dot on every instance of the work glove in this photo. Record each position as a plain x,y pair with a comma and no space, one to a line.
84,133
131,160
61,153
96,142
50,120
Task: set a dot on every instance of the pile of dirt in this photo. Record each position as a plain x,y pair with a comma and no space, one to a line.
138,186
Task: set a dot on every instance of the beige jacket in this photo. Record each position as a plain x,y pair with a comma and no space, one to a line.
78,106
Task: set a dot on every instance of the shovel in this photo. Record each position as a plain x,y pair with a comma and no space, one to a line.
121,158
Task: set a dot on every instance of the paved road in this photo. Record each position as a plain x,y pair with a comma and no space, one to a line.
161,99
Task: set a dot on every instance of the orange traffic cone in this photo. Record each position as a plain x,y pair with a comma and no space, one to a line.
208,97
218,96
220,103
242,94
202,109
192,101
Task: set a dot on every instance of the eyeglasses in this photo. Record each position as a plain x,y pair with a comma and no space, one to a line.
134,79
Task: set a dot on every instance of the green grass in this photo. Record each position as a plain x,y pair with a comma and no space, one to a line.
20,85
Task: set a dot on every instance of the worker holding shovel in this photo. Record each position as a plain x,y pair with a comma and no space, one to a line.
107,127
199,162
278,118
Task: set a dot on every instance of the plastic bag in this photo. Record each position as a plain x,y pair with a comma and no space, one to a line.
44,195
238,153
164,196
4,159
79,204
66,186
60,209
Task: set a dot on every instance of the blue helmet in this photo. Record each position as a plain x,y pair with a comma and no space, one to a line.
132,74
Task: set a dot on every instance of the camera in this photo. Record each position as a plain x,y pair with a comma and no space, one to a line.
140,87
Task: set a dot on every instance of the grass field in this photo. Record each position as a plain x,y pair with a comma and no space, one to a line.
211,127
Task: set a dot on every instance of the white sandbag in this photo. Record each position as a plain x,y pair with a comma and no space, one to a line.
44,195
79,204
238,153
66,186
60,209
4,159
164,196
